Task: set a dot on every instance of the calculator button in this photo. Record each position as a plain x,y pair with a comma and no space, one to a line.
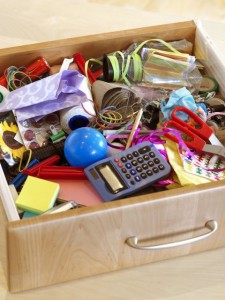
135,153
139,169
128,176
116,159
149,173
132,182
146,157
143,175
151,163
137,178
152,154
124,170
128,165
155,170
140,160
134,163
161,167
123,159
133,172
144,150
145,166
120,165
156,160
129,156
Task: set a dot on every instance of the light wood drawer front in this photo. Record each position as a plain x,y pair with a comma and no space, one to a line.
73,245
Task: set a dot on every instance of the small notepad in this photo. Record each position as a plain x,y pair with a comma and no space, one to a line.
37,195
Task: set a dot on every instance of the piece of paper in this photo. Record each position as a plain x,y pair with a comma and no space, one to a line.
50,94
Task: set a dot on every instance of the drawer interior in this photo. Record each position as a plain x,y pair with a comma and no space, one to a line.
96,45
93,47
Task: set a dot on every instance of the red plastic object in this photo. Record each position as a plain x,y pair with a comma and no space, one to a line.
38,68
80,61
47,162
3,81
61,172
35,70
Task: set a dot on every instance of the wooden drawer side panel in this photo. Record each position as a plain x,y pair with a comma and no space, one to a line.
94,45
76,246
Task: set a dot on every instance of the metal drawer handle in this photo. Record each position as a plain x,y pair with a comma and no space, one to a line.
211,225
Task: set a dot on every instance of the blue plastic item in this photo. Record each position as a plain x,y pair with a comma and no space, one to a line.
85,146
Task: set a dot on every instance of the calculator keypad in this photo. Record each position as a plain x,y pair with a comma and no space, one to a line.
140,164
128,171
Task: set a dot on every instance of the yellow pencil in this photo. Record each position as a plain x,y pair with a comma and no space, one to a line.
135,126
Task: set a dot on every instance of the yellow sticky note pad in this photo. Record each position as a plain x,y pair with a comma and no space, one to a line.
37,195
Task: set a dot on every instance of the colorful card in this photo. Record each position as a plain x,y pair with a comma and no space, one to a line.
198,164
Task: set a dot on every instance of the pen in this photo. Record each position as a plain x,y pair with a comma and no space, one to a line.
135,126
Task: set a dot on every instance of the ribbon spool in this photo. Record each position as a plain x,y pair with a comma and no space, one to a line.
118,68
74,117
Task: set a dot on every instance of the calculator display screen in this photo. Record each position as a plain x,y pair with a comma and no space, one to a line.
111,177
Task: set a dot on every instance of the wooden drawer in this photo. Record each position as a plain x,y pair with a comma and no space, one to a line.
55,248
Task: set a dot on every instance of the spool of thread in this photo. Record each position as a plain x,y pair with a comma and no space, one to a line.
3,93
74,117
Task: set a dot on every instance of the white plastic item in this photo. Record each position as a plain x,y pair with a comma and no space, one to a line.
77,116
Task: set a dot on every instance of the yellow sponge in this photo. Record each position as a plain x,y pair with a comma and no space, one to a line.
37,195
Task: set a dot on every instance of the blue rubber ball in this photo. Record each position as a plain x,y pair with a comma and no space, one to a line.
85,146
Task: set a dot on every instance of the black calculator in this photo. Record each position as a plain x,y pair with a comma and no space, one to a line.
128,171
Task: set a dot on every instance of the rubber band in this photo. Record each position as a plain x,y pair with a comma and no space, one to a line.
16,78
111,116
215,114
29,151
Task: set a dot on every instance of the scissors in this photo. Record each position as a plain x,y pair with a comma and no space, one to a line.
195,137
